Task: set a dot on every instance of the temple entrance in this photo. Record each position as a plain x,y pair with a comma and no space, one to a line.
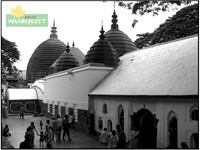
146,123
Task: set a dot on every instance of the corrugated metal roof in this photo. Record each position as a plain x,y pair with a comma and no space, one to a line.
167,69
22,94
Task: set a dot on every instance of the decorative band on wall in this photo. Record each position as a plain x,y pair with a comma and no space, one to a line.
18,104
30,106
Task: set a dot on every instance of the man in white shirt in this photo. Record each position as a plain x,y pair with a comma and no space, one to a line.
59,127
104,136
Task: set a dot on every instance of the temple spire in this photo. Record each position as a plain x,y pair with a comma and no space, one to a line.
53,31
114,20
73,44
68,48
54,22
102,36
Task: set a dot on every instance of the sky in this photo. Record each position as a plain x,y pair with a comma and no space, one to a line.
78,21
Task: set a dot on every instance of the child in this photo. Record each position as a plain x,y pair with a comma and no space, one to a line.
42,137
41,124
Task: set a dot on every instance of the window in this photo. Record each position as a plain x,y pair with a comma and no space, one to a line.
105,109
194,113
100,123
109,126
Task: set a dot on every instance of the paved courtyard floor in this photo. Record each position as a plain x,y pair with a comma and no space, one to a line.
18,127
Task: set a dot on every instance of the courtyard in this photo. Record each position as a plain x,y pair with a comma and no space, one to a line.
18,127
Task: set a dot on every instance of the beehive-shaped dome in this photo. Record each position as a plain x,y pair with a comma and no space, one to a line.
121,42
64,62
102,52
77,53
46,54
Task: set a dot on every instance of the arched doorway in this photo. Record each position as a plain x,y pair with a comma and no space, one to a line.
194,141
172,130
121,116
109,125
146,122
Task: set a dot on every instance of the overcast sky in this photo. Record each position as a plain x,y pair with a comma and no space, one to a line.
75,21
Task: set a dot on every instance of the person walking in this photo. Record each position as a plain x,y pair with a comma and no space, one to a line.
49,137
54,127
104,137
32,127
22,112
113,140
27,143
59,127
66,128
48,134
122,137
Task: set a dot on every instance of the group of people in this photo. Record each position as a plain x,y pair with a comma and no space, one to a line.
52,131
115,139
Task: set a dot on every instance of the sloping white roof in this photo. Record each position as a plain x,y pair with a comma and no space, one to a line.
22,94
165,69
39,83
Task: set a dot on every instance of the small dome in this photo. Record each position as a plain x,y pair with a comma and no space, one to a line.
77,53
64,62
121,42
102,52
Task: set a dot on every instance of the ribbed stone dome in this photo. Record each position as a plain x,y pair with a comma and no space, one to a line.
102,52
121,42
64,62
45,55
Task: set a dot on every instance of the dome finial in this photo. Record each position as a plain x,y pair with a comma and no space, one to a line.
102,36
67,47
73,44
114,21
114,5
53,31
54,22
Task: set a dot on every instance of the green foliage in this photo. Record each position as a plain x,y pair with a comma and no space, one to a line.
9,55
145,7
184,23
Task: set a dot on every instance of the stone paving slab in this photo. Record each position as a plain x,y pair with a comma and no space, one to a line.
18,127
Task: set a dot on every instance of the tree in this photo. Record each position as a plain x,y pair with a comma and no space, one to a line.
145,7
184,23
9,55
